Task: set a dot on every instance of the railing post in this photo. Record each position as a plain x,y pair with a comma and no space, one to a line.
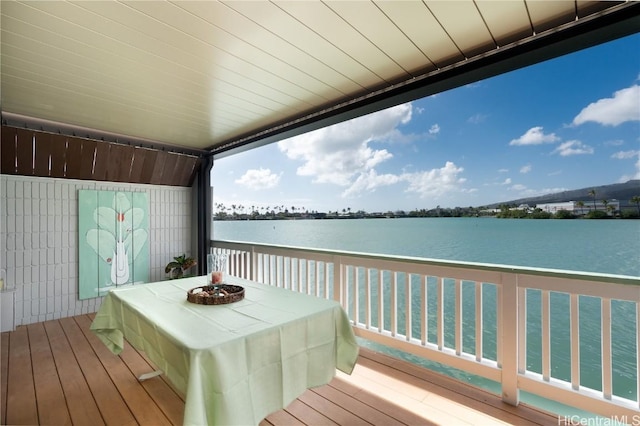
508,329
605,318
253,261
338,284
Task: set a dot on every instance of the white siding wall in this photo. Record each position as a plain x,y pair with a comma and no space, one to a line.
39,240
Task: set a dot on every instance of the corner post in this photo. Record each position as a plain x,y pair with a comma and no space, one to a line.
508,323
204,209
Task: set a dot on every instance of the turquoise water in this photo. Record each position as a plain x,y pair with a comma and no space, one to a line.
607,246
604,246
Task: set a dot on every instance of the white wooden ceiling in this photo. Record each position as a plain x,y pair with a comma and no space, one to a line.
202,74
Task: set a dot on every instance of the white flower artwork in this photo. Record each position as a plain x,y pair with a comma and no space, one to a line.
113,230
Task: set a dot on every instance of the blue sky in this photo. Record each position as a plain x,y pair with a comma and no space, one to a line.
563,124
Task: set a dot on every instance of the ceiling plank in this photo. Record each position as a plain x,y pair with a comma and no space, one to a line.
296,43
507,21
226,46
419,24
198,76
548,14
327,23
384,34
465,26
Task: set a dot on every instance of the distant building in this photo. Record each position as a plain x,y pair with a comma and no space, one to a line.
575,208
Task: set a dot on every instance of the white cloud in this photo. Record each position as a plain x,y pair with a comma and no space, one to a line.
503,171
526,169
535,136
337,153
258,179
435,182
342,154
624,155
369,182
624,106
507,181
573,147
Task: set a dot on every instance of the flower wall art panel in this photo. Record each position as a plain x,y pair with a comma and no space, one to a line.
113,232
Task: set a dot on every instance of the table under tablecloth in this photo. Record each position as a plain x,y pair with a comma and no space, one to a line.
235,363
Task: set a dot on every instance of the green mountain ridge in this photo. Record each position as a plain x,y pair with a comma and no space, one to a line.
623,192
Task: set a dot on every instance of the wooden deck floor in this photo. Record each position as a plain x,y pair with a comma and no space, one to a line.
58,372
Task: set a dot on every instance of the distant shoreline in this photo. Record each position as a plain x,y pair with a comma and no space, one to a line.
243,217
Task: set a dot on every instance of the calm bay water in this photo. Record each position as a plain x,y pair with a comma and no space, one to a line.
607,246
603,246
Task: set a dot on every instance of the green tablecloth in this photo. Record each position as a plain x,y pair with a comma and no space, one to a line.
235,363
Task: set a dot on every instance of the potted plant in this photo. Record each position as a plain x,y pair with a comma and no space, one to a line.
178,266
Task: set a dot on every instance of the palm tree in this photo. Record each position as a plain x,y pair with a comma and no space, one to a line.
593,194
580,204
636,200
221,210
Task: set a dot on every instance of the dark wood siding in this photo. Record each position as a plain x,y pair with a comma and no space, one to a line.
33,153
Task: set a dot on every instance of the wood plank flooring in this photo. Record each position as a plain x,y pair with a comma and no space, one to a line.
59,373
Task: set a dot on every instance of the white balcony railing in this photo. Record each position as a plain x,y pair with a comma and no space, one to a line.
548,332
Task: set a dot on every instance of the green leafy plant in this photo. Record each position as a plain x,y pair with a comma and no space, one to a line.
179,265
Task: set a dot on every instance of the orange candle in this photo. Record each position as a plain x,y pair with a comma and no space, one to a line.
216,277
